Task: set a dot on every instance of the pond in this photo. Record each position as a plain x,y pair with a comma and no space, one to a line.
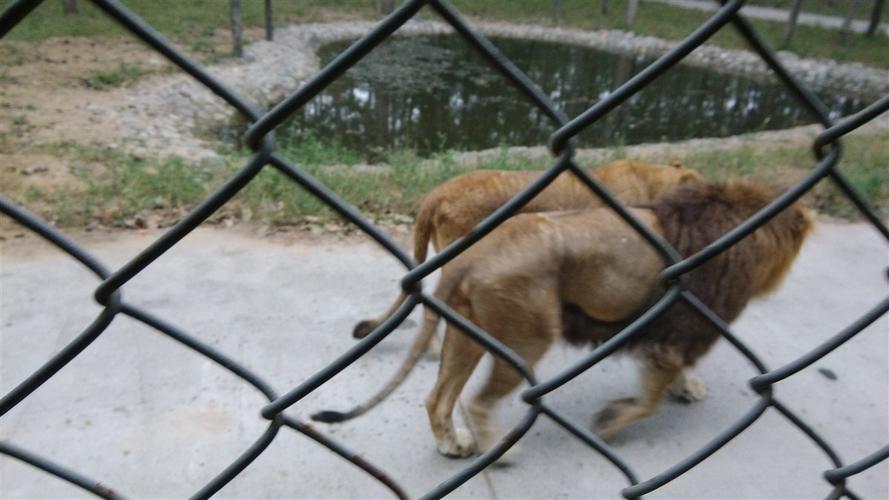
433,93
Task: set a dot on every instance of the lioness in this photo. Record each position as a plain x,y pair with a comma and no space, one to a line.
584,275
452,209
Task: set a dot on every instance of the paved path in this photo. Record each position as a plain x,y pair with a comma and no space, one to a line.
773,14
152,419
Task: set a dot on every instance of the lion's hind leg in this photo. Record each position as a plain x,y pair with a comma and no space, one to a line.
503,379
459,357
529,333
656,380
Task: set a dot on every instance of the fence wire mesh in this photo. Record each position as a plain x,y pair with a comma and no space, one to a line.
259,137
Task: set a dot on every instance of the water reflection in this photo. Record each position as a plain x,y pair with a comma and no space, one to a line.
432,93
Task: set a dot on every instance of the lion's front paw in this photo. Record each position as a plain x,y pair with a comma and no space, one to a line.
689,388
460,444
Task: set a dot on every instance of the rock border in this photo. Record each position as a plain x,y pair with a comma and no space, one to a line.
172,114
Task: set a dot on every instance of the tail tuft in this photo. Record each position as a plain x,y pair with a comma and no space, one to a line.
330,417
364,328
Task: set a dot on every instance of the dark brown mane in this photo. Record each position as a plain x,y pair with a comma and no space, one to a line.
692,217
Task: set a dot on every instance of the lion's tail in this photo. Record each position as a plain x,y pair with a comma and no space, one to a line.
423,228
418,348
422,235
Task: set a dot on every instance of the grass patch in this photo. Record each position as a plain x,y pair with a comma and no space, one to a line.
674,23
6,79
113,187
117,187
393,189
11,55
836,8
192,23
864,162
313,151
195,22
121,75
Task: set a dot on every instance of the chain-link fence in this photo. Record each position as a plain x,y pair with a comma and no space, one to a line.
259,137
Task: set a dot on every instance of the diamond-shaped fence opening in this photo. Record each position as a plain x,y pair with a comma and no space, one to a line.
259,137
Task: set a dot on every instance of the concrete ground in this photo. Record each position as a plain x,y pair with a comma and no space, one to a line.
152,419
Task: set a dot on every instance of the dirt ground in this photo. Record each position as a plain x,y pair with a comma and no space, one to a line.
48,107
45,83
45,101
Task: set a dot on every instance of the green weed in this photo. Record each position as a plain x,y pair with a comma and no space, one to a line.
311,150
6,78
119,76
12,55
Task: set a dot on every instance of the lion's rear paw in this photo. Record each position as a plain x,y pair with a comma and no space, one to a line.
689,388
461,444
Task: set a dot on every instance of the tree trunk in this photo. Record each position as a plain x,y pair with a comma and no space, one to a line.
791,22
69,7
557,12
237,28
632,8
847,22
387,6
604,5
269,24
875,16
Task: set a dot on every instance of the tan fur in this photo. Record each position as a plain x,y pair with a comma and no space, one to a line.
584,275
452,209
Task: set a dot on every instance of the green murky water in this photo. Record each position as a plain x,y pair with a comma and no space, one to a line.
433,93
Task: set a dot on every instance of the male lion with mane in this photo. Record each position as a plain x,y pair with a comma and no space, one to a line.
453,208
584,275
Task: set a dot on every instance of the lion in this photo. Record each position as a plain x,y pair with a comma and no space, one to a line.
583,276
453,208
